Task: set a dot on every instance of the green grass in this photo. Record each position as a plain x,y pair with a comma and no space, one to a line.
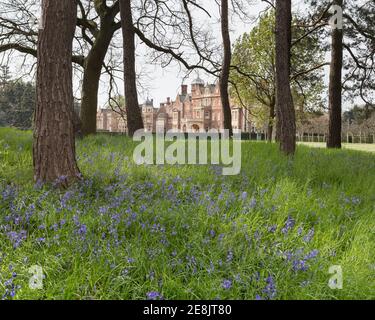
351,146
127,230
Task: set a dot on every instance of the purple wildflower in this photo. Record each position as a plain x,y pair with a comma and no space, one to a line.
311,255
230,256
300,265
270,289
309,236
272,229
289,224
253,203
41,240
211,269
154,295
17,237
227,284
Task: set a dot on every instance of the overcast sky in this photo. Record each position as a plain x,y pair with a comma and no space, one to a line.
163,83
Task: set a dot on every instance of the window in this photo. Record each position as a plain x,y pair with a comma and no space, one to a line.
207,115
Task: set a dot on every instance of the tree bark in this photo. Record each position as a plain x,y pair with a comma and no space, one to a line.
93,69
278,125
271,121
90,84
284,99
335,87
133,112
224,76
54,146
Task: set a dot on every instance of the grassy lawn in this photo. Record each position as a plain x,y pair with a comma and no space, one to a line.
350,146
185,232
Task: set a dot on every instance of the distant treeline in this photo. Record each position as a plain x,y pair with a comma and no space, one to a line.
17,104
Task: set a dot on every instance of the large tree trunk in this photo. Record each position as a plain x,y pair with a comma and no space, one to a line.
90,84
224,76
92,72
335,87
54,145
133,112
284,99
271,121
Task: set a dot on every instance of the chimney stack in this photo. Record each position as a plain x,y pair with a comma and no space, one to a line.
184,89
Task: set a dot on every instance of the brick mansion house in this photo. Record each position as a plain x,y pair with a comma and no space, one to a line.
197,111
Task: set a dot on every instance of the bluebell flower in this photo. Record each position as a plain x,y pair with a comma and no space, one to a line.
17,237
154,295
311,255
41,240
272,229
289,224
253,203
211,268
309,236
230,256
270,289
300,265
227,284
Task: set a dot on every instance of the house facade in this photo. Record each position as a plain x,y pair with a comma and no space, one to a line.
196,111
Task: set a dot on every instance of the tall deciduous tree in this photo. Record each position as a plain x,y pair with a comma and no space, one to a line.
93,63
335,85
224,76
54,147
284,100
253,78
133,112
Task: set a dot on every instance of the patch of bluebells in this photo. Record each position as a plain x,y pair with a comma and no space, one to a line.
270,289
64,202
352,200
300,260
10,287
9,193
113,218
16,238
289,224
154,295
227,284
81,229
